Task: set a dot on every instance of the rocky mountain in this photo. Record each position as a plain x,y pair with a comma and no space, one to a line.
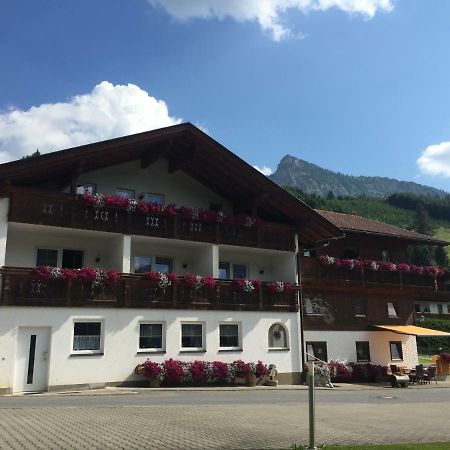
313,179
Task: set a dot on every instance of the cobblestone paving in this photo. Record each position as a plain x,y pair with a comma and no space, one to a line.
218,426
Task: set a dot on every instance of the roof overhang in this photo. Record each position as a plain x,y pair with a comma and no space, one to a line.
186,148
412,330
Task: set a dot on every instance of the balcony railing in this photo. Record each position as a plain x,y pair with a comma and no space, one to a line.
312,272
21,287
65,210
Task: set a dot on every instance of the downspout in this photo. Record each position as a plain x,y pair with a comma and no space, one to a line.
300,310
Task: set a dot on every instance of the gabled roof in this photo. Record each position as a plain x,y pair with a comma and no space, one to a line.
186,148
358,224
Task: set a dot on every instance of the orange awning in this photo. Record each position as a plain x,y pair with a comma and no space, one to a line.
411,329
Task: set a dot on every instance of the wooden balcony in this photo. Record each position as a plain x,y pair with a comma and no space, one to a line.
313,273
21,287
65,210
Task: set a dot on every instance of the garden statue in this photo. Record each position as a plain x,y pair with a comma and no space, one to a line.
273,372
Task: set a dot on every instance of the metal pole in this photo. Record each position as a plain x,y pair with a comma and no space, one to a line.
312,419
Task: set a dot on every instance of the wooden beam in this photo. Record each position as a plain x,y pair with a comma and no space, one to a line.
177,162
252,203
152,154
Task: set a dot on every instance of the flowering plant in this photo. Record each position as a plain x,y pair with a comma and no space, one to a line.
199,281
219,371
247,286
374,266
92,275
162,280
278,287
260,369
242,369
173,371
199,371
153,370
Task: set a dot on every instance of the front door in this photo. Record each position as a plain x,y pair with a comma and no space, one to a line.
31,367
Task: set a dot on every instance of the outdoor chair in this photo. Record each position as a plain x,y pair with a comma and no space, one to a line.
419,376
430,375
394,368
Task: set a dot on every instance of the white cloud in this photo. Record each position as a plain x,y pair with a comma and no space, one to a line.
266,12
107,111
435,160
264,170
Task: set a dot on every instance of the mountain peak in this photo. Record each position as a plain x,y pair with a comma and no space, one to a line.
313,179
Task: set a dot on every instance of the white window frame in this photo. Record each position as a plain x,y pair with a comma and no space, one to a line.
91,185
193,349
239,327
153,261
60,253
309,309
231,265
286,347
163,337
119,189
155,194
100,351
401,350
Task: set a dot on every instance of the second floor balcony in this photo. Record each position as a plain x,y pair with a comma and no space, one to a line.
65,210
23,287
313,272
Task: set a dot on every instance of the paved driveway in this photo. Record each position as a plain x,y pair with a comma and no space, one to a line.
221,420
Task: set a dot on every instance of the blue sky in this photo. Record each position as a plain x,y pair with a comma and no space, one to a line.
361,89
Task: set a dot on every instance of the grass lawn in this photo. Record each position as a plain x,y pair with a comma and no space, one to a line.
434,446
426,359
444,234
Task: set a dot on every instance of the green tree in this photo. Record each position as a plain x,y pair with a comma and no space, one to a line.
423,224
441,257
32,155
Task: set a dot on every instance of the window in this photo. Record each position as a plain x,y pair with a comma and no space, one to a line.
151,336
163,265
417,307
64,258
229,336
46,257
237,270
87,337
313,305
278,337
155,198
440,308
391,310
316,349
224,271
448,308
86,188
396,350
72,259
125,193
362,351
144,264
359,306
385,256
192,336
426,309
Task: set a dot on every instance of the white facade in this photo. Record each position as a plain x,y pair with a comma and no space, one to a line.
57,365
341,345
120,342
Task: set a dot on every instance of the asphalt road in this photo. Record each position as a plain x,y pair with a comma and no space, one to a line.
153,419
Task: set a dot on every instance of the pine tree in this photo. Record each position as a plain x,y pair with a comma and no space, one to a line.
423,220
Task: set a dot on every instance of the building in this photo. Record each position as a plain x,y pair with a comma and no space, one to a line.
230,222
360,297
103,216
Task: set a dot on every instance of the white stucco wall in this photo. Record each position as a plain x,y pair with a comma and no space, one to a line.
24,239
177,187
342,345
4,208
121,333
